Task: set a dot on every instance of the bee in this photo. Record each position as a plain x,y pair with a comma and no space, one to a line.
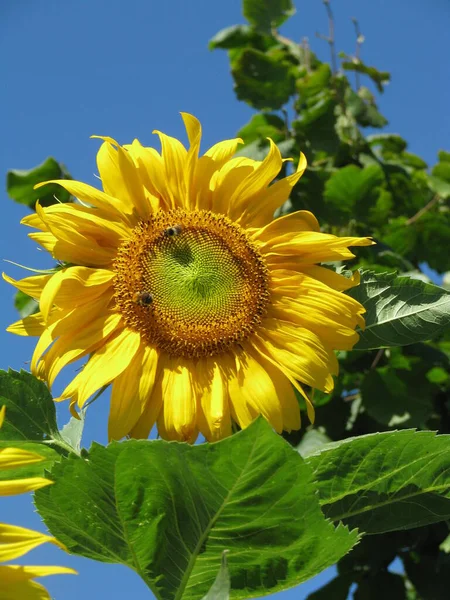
143,298
173,231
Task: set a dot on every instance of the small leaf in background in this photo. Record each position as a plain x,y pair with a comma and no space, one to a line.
264,81
380,78
400,310
169,510
265,15
72,432
25,305
262,126
385,481
220,589
30,408
19,184
235,36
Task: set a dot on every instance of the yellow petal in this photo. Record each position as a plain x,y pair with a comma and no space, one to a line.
284,227
150,170
174,158
108,362
34,325
194,131
108,205
256,181
214,418
17,541
2,415
225,181
261,209
13,458
69,348
15,573
121,179
177,419
32,286
22,486
131,392
13,589
73,286
254,387
300,248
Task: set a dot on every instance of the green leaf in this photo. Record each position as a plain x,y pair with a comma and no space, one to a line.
439,186
390,142
235,36
220,589
19,184
25,304
265,15
364,111
397,398
169,510
400,310
353,189
262,126
72,432
378,77
385,481
262,80
30,410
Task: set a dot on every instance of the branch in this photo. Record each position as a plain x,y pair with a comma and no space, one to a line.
423,210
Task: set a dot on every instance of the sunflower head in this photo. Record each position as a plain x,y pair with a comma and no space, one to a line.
184,293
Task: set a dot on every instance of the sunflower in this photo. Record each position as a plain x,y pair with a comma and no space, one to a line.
16,581
183,293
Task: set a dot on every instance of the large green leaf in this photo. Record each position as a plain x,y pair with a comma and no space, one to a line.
400,310
264,15
264,81
385,481
169,510
20,184
30,410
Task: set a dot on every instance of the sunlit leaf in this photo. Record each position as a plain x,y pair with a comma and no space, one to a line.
400,310
169,510
385,481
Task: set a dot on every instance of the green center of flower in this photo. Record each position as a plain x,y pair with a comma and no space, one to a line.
191,283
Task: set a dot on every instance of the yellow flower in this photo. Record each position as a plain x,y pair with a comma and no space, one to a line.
16,581
185,295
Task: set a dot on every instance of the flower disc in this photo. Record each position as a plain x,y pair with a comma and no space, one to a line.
191,283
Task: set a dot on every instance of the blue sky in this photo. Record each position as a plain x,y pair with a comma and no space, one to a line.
108,67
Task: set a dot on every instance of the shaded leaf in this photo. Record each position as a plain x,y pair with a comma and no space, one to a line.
19,184
351,186
385,481
400,310
397,399
169,510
